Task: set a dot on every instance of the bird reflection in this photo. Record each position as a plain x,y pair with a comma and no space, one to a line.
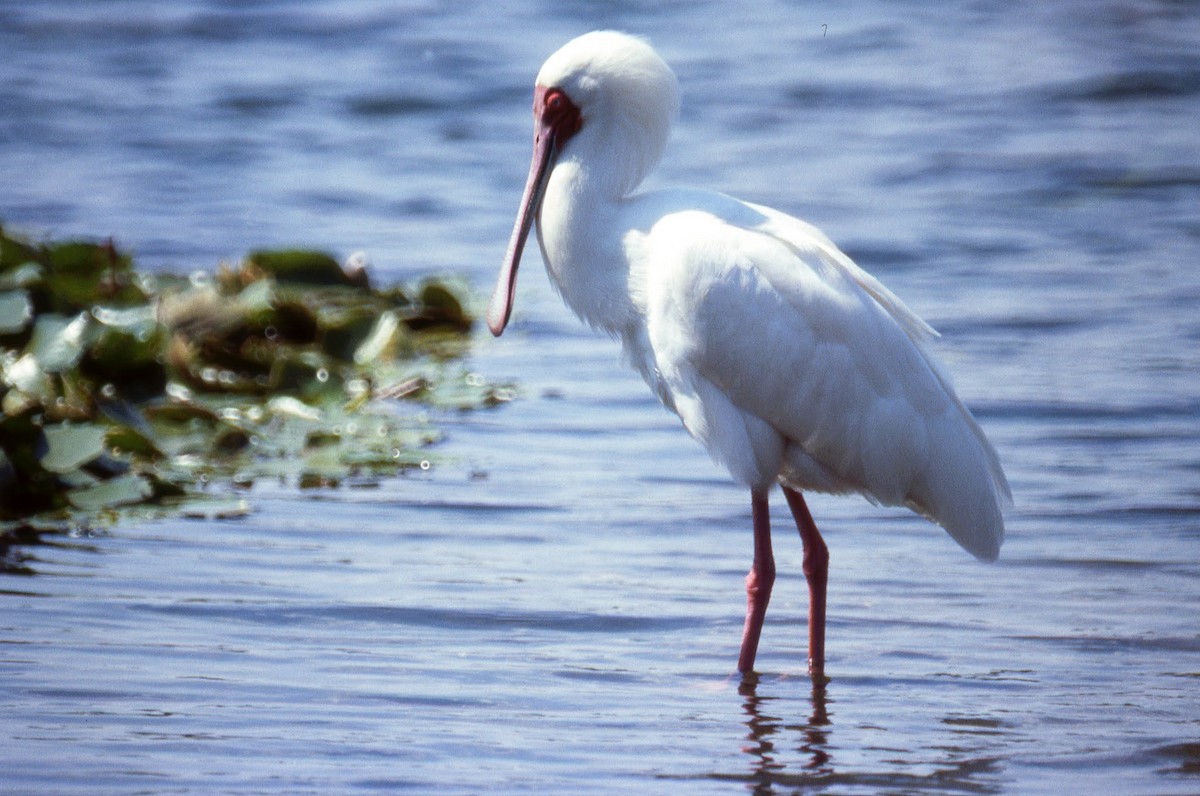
770,735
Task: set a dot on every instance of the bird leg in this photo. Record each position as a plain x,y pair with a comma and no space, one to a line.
816,571
758,582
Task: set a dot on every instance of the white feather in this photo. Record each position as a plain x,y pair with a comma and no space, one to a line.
781,356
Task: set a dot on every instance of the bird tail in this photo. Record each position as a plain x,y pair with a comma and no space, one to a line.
964,489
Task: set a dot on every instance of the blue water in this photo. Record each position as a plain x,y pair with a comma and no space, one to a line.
555,605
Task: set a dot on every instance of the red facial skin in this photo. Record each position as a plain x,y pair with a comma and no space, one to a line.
555,119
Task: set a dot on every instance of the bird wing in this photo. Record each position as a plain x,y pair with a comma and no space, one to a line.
807,238
784,357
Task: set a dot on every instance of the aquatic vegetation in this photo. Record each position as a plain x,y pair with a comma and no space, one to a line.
122,389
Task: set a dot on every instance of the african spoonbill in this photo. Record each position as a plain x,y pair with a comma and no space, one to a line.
787,361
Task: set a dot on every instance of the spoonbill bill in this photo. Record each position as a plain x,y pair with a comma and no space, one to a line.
787,361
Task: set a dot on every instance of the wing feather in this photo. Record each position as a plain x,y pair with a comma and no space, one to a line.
785,358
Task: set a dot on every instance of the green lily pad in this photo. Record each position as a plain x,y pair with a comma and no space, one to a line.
123,490
58,341
441,307
25,275
209,508
17,402
14,252
383,341
27,376
80,274
70,446
300,266
16,311
287,406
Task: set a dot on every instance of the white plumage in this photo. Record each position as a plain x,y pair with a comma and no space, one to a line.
786,360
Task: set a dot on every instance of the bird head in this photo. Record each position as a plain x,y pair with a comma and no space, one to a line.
604,101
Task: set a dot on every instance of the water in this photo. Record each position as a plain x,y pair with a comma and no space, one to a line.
555,605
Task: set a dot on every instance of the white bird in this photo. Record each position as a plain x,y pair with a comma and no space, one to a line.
787,361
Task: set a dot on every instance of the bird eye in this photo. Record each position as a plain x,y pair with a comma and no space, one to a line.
558,111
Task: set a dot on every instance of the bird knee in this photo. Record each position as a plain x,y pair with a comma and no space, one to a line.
816,561
759,582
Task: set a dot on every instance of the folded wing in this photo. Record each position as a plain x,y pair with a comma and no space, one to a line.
787,360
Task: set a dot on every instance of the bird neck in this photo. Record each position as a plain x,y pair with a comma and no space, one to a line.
580,235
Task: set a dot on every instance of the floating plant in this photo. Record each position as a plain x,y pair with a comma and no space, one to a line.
120,389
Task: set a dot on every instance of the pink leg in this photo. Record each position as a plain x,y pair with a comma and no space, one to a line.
758,582
816,570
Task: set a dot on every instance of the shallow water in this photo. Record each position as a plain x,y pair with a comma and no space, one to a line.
555,605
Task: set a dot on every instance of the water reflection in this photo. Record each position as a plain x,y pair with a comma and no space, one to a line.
766,730
788,758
